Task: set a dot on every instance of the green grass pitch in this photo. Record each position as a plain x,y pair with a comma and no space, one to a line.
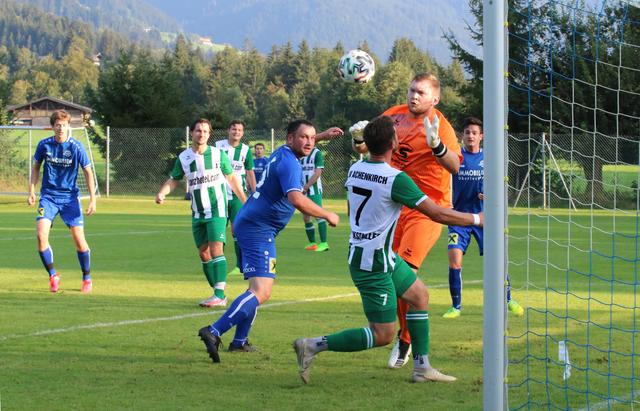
132,343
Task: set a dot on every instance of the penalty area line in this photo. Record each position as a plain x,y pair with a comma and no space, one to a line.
53,331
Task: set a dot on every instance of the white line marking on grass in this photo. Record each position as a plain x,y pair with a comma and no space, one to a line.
606,404
183,316
114,233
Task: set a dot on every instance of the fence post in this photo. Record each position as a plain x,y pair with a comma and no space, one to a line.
273,140
187,196
30,158
108,159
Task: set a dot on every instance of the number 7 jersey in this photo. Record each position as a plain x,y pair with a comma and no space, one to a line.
376,193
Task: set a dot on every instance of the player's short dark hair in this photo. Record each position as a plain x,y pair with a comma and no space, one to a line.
378,135
234,122
201,121
471,121
258,144
295,125
59,115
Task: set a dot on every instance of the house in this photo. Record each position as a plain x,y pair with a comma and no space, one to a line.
37,112
205,41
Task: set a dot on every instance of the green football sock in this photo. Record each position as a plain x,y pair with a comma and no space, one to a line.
207,268
418,326
354,339
219,272
311,232
322,229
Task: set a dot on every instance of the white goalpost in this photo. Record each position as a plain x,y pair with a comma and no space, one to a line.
562,204
17,147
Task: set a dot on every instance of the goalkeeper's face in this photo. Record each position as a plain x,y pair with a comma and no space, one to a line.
422,97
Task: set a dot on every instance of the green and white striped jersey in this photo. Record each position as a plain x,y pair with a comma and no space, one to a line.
206,180
314,160
376,193
241,160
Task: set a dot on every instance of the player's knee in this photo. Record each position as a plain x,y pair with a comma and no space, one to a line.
262,293
205,255
384,335
421,297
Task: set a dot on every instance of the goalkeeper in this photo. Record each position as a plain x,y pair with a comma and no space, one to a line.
376,192
429,153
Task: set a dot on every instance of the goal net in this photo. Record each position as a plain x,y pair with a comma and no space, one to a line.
17,147
573,169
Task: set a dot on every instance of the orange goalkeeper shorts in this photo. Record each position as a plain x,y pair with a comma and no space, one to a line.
415,236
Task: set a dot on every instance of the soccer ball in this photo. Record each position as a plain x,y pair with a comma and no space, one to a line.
356,66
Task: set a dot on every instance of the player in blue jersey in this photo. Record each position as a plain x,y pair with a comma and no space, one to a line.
63,156
257,224
259,160
468,197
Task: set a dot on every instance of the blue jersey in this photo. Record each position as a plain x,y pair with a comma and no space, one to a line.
468,183
268,210
259,164
61,164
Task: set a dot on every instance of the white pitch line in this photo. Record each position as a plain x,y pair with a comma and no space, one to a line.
182,316
118,233
606,404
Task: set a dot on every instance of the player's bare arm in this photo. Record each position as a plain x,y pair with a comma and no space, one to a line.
316,175
251,181
91,185
449,216
236,186
165,189
35,175
308,207
329,134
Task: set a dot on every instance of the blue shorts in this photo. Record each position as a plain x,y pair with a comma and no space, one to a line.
460,237
257,257
69,209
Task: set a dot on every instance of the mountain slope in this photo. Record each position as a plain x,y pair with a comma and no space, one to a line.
136,19
323,23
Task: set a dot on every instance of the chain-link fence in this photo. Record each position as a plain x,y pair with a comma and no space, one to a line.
17,148
139,160
573,170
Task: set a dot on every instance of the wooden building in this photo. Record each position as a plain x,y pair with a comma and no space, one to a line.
38,112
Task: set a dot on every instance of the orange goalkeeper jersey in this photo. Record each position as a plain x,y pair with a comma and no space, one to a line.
414,156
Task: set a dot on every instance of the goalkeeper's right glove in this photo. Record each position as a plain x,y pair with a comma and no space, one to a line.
357,130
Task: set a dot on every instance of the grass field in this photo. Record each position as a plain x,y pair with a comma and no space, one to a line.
132,343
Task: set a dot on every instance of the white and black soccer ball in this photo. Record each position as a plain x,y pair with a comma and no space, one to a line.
356,66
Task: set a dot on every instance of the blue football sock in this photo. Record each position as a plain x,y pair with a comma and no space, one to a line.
242,330
244,306
455,287
84,257
47,260
508,288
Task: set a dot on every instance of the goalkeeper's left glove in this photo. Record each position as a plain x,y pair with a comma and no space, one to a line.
357,130
433,139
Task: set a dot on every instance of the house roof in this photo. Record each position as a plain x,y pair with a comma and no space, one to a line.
55,100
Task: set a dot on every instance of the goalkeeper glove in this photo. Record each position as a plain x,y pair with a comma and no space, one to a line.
433,139
357,130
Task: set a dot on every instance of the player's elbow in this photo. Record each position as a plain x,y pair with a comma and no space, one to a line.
296,198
